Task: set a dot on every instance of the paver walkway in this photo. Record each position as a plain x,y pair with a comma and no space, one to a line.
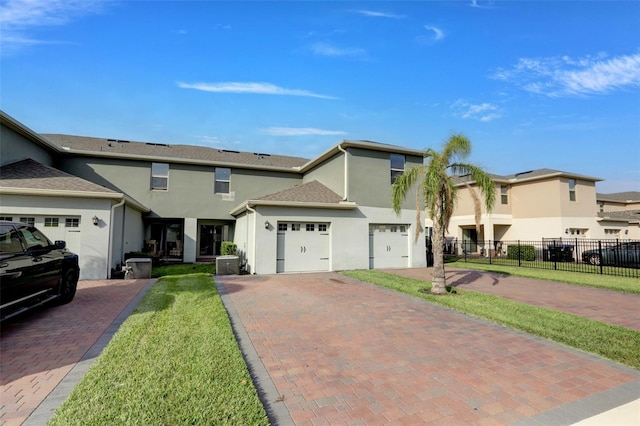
342,352
608,306
40,348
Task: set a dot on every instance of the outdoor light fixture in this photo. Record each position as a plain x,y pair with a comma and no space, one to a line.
566,231
626,232
95,220
266,224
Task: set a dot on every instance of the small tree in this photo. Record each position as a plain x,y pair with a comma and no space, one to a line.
436,192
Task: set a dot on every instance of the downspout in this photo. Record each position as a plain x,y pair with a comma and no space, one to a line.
253,243
346,173
109,251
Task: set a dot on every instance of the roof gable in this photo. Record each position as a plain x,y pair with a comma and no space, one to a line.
30,174
311,192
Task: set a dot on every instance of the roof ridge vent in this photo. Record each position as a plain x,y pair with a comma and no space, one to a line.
153,144
524,173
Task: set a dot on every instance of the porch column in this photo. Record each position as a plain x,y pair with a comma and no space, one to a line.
190,239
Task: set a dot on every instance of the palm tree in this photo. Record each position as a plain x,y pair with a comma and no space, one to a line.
436,192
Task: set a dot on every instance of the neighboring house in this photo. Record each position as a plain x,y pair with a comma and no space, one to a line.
619,214
180,202
544,203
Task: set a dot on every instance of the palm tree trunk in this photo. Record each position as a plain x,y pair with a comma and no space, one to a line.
438,284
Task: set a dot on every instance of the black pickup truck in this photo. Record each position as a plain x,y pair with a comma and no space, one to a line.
33,270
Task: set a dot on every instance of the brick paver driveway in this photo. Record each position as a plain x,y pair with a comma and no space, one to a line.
40,348
343,352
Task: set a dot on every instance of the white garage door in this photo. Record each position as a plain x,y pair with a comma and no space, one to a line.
302,247
65,228
388,246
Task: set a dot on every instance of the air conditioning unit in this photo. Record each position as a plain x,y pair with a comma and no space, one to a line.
227,265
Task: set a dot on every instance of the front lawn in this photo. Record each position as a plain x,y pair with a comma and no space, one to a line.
174,361
613,342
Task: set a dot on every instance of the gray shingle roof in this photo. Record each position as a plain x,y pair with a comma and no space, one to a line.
29,174
630,215
624,197
171,152
311,192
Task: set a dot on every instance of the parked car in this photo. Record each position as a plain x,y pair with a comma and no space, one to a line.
33,270
622,254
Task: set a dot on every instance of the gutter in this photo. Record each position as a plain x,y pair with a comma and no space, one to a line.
253,243
110,251
346,172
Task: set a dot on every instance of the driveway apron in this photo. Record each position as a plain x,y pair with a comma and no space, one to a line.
339,351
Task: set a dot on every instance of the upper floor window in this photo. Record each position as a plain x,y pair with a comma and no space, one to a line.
222,180
160,176
397,166
572,189
504,194
601,206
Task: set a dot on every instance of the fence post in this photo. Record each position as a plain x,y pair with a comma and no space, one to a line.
555,256
519,263
600,254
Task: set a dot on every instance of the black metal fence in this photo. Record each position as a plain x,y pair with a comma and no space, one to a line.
609,257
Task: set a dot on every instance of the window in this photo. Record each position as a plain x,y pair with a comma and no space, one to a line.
322,227
160,176
50,222
397,166
612,232
223,178
282,227
311,227
71,222
295,226
601,206
572,189
9,218
504,195
31,221
403,228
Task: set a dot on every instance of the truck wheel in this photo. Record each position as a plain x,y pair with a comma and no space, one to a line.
68,285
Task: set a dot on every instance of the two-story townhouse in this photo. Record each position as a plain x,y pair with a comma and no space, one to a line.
619,214
539,204
182,201
94,220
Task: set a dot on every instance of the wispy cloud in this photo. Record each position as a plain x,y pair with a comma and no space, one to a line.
565,76
18,17
378,14
482,112
434,34
250,88
299,131
486,5
326,49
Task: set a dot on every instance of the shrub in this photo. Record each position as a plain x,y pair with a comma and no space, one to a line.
136,254
228,248
526,252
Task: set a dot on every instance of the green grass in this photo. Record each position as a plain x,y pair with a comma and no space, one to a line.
183,269
174,361
613,342
610,282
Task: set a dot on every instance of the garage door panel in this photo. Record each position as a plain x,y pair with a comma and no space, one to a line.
388,246
302,247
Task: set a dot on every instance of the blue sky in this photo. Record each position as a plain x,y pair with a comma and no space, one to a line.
537,84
